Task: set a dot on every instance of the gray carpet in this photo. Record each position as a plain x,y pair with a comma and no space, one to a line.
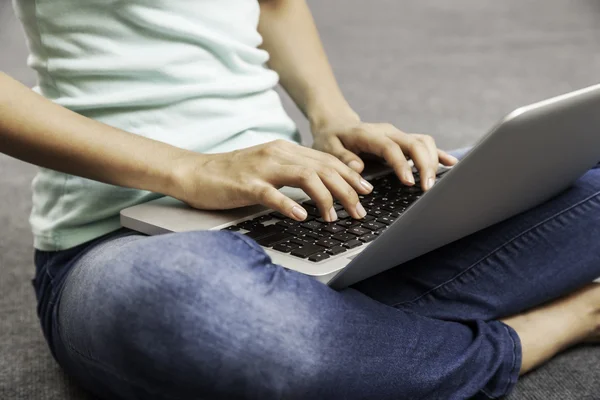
449,68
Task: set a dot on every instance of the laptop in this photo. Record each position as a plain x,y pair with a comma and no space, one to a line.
531,155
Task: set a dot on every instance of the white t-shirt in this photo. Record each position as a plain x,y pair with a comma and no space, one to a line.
184,72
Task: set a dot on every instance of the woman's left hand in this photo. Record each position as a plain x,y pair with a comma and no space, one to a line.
346,140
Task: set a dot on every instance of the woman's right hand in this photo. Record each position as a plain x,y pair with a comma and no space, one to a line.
253,175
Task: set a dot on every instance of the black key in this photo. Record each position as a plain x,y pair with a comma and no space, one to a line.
302,241
288,223
274,239
263,232
377,212
336,250
337,206
385,220
314,235
285,247
318,257
412,189
297,231
342,214
328,243
312,225
264,218
312,211
235,228
392,206
396,214
306,251
248,225
358,230
352,244
367,218
277,215
371,204
367,238
333,228
373,226
380,231
343,237
320,234
348,223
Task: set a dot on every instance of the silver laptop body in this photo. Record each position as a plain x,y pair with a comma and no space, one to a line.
534,153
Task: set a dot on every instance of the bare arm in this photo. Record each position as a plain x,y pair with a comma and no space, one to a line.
38,131
292,40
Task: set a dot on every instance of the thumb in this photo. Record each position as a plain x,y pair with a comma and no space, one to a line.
346,156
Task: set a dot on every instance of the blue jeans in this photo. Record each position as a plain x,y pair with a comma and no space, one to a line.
206,315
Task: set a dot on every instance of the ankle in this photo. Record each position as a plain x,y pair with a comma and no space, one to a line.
553,327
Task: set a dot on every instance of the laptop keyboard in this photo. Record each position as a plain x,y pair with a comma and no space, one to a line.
317,240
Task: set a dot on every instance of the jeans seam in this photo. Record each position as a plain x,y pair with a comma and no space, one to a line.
496,250
489,396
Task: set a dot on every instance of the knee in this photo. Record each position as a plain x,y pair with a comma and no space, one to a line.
192,272
163,282
200,300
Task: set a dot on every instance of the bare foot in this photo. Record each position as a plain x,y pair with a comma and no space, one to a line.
546,330
591,297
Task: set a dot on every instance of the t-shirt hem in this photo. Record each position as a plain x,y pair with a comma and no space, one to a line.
65,239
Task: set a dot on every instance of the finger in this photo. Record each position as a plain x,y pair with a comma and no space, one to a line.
447,159
353,161
425,165
386,148
433,162
352,177
341,190
429,142
269,196
307,179
420,155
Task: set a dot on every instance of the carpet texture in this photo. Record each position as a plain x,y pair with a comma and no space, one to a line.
448,68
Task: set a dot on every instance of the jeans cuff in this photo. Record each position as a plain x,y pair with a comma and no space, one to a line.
510,369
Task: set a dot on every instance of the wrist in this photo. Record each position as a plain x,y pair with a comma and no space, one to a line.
322,121
177,171
324,113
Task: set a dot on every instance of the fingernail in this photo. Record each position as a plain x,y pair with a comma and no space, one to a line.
360,210
355,165
332,214
430,182
408,176
453,159
299,212
366,185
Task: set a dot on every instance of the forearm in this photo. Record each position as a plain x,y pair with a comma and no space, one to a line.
292,40
40,132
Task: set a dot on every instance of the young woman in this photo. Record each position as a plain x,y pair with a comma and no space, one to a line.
206,314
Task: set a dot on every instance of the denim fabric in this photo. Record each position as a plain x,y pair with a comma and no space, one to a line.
206,315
